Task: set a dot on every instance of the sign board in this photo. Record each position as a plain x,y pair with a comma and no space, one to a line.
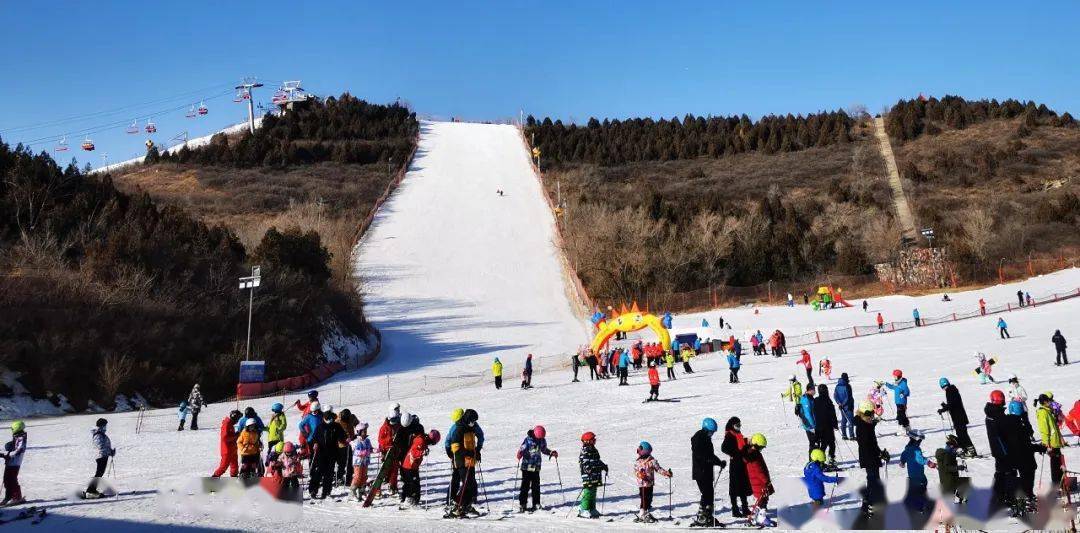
252,371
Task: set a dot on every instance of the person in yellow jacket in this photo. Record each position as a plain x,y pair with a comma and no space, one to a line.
276,427
687,353
669,361
496,370
249,447
794,391
1050,434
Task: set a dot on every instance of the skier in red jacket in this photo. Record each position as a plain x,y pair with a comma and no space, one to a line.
808,364
387,432
227,445
760,481
654,382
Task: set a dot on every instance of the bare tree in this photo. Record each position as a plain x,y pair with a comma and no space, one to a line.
978,227
114,373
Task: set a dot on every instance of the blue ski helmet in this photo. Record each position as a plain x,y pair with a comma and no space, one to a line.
277,408
645,447
943,382
708,425
1016,408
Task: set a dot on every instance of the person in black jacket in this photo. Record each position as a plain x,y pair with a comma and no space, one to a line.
870,456
825,424
1020,451
703,459
575,362
954,405
1004,471
1059,346
734,446
326,440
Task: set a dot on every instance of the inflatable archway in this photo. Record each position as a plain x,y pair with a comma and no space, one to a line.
626,322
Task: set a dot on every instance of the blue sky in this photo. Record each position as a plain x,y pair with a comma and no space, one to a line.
488,60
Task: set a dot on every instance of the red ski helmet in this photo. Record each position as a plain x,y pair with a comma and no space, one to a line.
997,397
588,437
434,436
897,373
539,432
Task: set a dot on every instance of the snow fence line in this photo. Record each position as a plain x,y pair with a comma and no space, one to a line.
818,337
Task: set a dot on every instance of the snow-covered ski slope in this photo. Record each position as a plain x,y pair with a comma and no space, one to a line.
455,274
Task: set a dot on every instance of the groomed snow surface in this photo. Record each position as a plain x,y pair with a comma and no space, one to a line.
457,275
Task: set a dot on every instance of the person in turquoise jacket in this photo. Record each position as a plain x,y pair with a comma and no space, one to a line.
913,459
900,397
624,367
733,367
806,417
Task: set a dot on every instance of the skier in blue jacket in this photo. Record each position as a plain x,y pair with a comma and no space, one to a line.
624,367
915,315
900,396
845,401
806,417
815,479
912,457
733,367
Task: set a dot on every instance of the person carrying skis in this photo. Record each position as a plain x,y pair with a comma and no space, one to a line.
954,405
227,446
794,390
466,446
825,424
949,468
276,428
900,397
1059,347
526,374
870,456
986,366
249,446
805,410
669,362
815,479
654,382
624,367
195,403
410,466
912,457
733,367
591,468
760,481
497,371
845,401
361,460
1003,328
103,450
734,446
1050,435
807,364
645,469
390,426
181,413
14,451
703,459
530,457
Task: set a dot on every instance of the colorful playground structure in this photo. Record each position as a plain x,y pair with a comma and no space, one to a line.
625,321
827,298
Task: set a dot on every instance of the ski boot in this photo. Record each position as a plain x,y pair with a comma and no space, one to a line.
761,519
522,509
591,514
705,518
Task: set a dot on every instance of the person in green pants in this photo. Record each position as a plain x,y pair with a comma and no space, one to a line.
591,468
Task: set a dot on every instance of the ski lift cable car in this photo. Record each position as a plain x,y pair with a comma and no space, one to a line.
62,145
191,113
88,145
134,127
203,109
150,126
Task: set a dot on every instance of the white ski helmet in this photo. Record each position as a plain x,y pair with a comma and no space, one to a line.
406,419
314,407
393,411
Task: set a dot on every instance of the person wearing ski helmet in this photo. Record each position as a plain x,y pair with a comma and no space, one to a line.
949,467
361,461
455,483
794,391
305,408
703,459
1020,451
103,450
530,456
14,451
870,456
760,481
497,373
1004,472
913,459
1046,419
900,397
276,427
954,405
410,466
227,446
292,469
815,478
249,446
387,432
645,469
808,365
591,467
734,446
465,446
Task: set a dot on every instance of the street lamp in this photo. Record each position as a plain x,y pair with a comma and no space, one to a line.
250,282
929,234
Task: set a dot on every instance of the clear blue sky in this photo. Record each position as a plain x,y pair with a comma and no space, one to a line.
487,60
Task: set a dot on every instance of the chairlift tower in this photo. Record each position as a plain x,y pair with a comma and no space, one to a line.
289,95
248,85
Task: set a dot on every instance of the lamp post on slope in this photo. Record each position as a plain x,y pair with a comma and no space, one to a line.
250,282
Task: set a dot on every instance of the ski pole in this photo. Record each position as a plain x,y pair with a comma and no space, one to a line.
669,505
483,487
559,472
603,493
577,501
828,504
1041,464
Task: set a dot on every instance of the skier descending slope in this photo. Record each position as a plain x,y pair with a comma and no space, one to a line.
530,456
702,462
591,467
103,450
645,469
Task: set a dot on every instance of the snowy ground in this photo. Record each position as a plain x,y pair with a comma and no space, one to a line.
463,275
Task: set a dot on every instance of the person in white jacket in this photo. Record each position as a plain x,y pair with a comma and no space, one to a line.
103,450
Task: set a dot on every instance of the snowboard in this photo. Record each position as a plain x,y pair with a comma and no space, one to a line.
381,477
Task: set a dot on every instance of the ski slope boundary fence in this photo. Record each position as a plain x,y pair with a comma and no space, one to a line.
851,332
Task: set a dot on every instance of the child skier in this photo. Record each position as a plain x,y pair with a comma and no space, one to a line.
760,482
182,413
949,467
292,467
986,366
654,382
815,479
410,467
249,446
14,450
733,367
276,428
877,397
825,367
103,450
530,456
702,461
687,354
645,468
362,450
900,398
912,457
591,466
669,362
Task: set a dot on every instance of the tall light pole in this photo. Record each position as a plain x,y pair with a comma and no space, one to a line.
250,282
247,87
